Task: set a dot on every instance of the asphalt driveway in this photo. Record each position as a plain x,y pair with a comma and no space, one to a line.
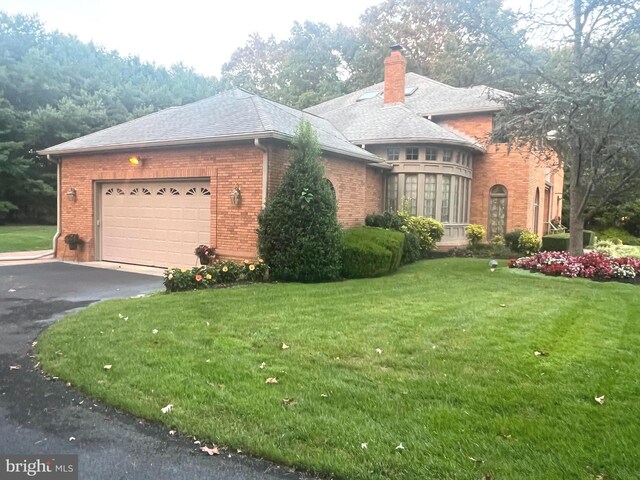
39,416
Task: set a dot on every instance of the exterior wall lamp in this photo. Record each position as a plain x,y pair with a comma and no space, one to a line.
135,160
236,196
72,194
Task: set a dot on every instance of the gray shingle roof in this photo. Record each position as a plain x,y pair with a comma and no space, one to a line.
371,119
363,124
430,98
231,115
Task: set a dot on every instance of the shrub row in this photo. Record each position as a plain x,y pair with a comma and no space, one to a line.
593,265
421,233
221,273
371,252
559,242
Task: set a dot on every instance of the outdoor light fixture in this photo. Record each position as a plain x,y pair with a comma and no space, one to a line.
236,196
135,160
71,194
493,264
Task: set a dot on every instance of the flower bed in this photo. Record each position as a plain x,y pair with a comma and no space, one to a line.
593,265
220,273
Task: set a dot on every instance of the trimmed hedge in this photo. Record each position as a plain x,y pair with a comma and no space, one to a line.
371,252
559,242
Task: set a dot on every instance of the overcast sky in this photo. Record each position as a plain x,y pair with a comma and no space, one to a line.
199,33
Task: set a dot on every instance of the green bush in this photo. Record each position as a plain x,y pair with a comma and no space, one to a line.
475,233
615,233
389,220
428,230
512,240
298,235
371,252
529,243
411,250
556,242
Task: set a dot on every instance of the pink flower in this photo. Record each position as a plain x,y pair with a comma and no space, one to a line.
198,277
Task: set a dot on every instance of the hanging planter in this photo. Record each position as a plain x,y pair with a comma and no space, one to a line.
73,240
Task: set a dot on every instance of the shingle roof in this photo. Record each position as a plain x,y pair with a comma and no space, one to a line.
363,124
430,98
231,115
370,119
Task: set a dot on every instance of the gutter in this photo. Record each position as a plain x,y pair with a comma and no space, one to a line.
265,169
199,141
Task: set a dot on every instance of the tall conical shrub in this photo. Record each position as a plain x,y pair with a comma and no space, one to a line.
299,236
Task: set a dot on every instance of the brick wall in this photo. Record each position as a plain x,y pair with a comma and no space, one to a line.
518,171
350,179
373,190
232,227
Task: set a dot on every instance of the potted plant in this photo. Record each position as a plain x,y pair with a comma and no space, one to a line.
73,240
205,254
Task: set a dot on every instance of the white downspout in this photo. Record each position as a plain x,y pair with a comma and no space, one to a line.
265,170
58,205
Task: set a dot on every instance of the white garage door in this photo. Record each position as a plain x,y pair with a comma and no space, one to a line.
154,223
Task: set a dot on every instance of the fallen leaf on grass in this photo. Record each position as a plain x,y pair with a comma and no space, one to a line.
378,351
154,331
364,445
172,432
262,365
14,367
477,460
71,439
123,317
167,409
503,305
284,346
505,436
599,399
288,401
271,380
197,442
400,447
34,343
211,451
107,367
541,354
324,395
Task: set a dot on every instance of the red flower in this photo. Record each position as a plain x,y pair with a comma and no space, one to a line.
198,277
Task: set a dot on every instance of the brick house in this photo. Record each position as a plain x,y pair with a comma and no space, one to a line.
149,190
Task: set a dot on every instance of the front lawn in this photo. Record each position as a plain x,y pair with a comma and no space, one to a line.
426,374
23,238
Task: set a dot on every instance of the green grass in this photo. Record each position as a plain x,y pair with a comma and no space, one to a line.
23,238
457,378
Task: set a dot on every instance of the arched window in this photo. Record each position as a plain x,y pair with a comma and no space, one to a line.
497,211
536,211
333,190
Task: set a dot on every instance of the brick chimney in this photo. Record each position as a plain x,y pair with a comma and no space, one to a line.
395,66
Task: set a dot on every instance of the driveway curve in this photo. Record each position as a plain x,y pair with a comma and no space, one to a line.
41,416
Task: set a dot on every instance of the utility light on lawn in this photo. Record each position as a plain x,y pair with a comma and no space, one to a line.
493,264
